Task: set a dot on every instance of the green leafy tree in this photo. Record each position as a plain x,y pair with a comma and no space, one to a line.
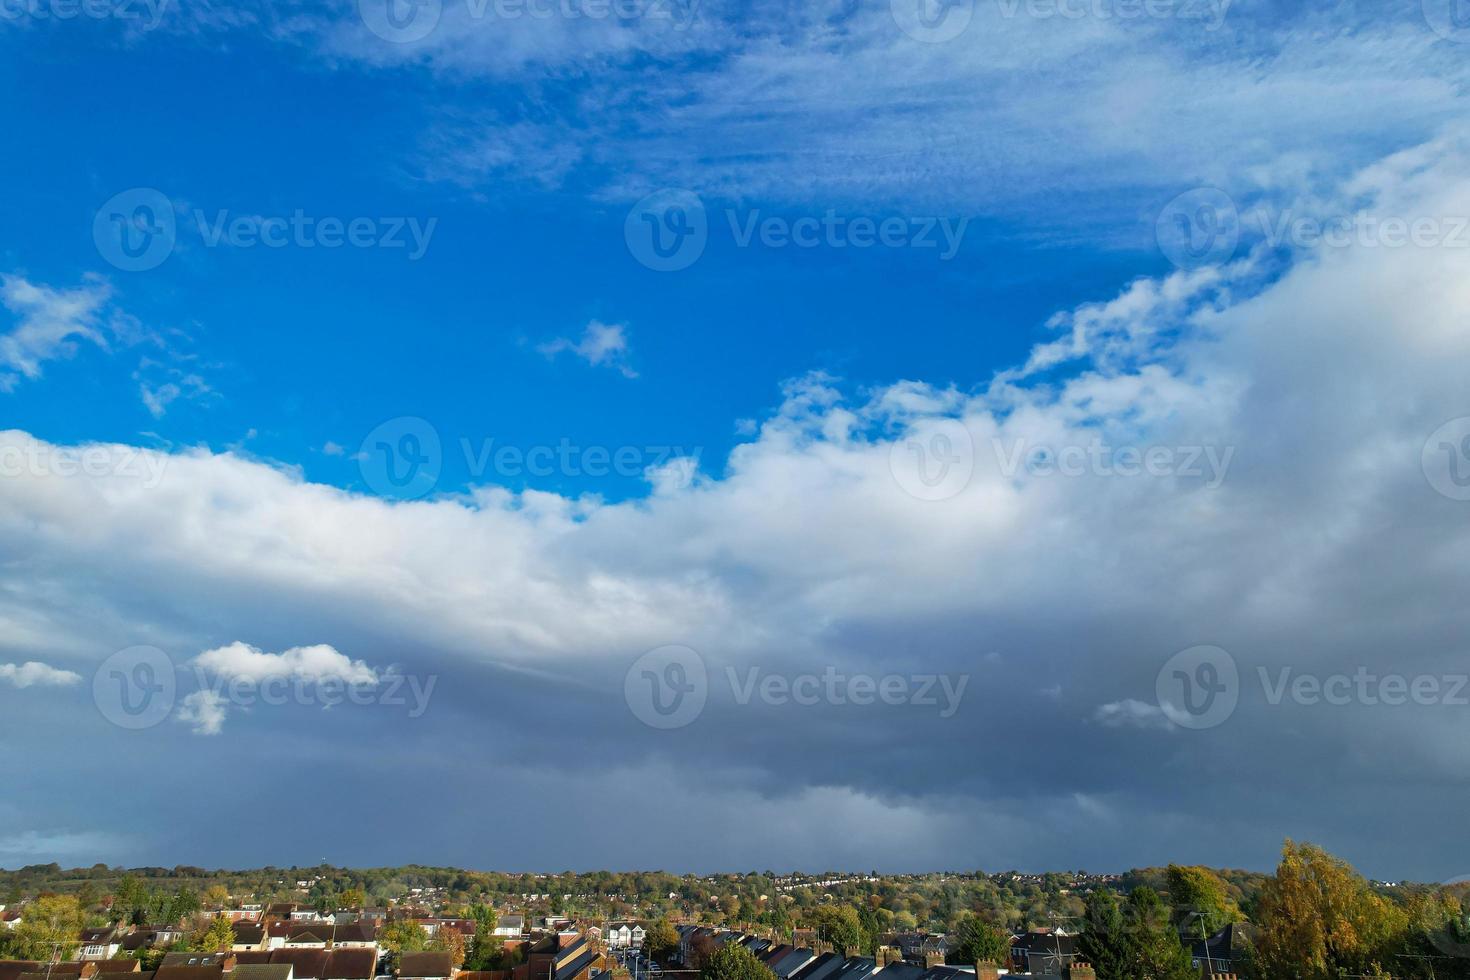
838,925
734,962
1193,890
1104,942
213,936
403,937
48,928
978,941
183,905
660,938
1154,949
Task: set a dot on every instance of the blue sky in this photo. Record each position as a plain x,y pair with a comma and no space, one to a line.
1059,148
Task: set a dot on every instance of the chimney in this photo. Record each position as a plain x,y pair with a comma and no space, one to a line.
1082,971
987,971
931,960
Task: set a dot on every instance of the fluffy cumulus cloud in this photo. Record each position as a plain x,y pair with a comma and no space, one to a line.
1235,458
311,664
33,673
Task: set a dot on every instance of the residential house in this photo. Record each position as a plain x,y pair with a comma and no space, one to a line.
248,936
100,944
425,966
306,964
1043,951
111,968
214,972
315,936
263,971
218,961
351,964
510,925
356,935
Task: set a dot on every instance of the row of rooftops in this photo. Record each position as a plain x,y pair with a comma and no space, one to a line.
791,962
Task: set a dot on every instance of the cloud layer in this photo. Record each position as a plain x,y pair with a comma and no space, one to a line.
911,528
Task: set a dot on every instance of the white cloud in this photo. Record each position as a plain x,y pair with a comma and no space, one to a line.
808,550
1132,713
311,664
204,710
601,345
49,322
35,674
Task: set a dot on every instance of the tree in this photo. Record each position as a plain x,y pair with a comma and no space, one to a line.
1103,942
216,896
49,928
213,936
1318,918
838,925
184,905
1195,889
487,951
353,898
734,962
403,937
1153,946
660,939
451,941
978,941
